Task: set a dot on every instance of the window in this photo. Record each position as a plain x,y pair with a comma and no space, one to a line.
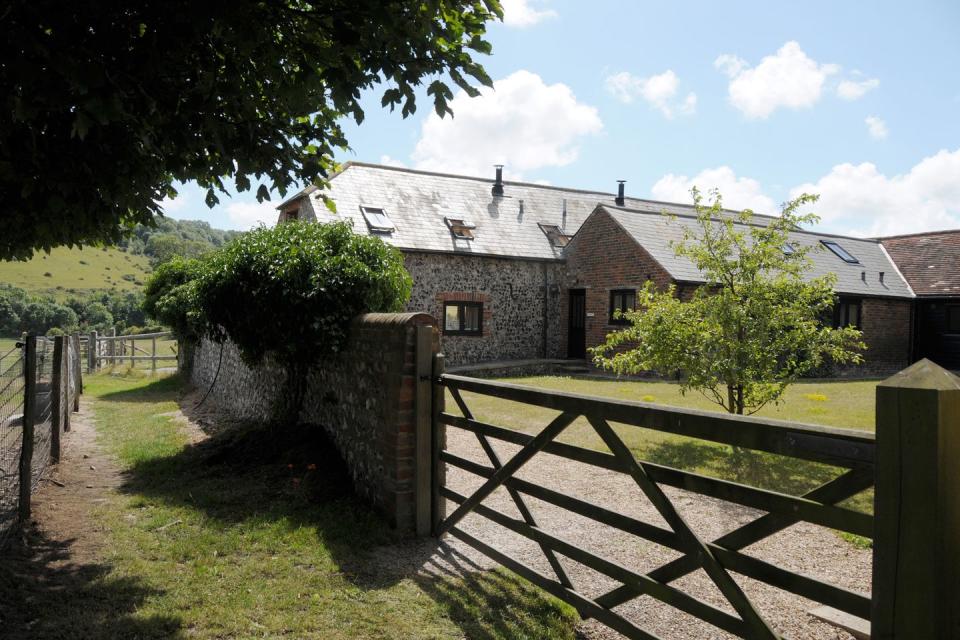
622,300
461,229
953,318
377,219
557,236
842,253
847,313
463,318
788,249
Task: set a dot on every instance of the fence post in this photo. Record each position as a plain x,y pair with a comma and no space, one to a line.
133,352
916,548
423,420
78,371
153,353
112,349
29,418
439,441
92,352
56,398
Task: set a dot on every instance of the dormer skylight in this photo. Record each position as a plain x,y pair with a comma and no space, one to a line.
557,236
377,219
841,253
461,229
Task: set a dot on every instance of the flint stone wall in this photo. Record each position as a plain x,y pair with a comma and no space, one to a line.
365,399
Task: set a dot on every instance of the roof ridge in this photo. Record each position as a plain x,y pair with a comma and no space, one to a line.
919,233
752,224
520,183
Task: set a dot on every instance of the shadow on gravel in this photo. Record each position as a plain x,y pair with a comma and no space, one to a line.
43,596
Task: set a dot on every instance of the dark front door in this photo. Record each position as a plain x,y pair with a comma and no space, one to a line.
577,339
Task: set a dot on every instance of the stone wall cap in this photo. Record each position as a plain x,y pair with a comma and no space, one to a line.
395,319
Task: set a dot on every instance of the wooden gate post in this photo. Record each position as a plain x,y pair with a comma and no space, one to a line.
92,352
57,384
438,442
423,421
78,372
29,418
916,548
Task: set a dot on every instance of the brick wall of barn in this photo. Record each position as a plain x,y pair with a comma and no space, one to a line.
520,322
887,331
600,258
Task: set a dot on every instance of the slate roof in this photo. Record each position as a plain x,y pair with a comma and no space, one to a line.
929,261
418,201
656,232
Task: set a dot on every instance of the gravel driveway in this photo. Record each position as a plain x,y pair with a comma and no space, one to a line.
802,548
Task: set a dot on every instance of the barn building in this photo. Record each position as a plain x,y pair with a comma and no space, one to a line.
519,271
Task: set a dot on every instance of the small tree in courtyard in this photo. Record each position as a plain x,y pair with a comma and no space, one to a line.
754,327
290,292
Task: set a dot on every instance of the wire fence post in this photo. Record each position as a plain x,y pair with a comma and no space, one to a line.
92,352
78,372
29,418
153,353
56,399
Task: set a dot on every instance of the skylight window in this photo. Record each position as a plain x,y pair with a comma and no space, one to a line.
377,219
461,229
788,249
557,236
841,253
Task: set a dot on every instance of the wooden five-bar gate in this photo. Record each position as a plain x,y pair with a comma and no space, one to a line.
912,463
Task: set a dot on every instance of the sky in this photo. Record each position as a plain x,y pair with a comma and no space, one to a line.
858,102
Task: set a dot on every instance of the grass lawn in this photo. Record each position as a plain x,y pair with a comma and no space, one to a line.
834,403
239,537
73,270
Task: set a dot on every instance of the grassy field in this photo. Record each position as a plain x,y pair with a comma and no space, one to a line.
834,403
253,534
65,271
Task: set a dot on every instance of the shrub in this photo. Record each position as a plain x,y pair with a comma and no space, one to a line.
170,297
291,292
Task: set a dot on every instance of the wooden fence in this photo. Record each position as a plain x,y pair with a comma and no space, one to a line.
41,388
913,462
112,350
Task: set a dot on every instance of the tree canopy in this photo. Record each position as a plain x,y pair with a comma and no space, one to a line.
107,105
752,328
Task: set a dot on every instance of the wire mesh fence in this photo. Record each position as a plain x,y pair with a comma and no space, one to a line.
43,422
11,436
39,382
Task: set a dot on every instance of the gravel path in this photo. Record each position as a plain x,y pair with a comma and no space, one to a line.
802,548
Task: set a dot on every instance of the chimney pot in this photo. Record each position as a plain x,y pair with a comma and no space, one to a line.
563,219
620,196
498,185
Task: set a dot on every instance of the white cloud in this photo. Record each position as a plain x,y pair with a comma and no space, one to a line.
391,162
788,79
854,90
172,206
521,122
877,127
246,215
860,199
737,192
659,91
521,13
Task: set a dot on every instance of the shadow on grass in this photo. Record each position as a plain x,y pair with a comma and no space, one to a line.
484,603
43,595
293,478
161,388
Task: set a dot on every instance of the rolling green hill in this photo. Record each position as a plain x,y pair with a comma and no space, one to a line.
65,272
